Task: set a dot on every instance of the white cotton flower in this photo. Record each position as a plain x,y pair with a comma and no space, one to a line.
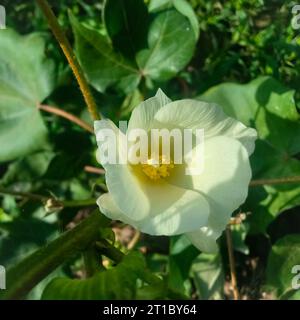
160,199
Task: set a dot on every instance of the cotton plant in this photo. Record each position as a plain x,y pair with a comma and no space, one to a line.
158,197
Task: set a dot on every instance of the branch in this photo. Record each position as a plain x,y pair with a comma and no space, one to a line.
109,250
91,169
69,54
255,183
67,115
47,200
22,277
28,195
235,290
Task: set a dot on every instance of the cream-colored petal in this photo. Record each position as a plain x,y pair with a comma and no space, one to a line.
174,210
204,239
224,180
142,116
108,207
196,114
121,183
189,211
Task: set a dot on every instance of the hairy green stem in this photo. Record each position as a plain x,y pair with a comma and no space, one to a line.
92,261
77,203
56,202
73,62
275,181
109,250
28,195
116,255
22,277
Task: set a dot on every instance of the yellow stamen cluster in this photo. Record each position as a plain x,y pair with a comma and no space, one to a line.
156,171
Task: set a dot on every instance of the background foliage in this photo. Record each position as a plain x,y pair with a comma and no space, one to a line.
242,54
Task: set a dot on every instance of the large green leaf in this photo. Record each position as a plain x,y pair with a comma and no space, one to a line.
119,282
269,107
26,79
21,236
281,275
171,46
103,66
182,6
208,275
264,104
27,169
126,23
266,203
155,51
182,255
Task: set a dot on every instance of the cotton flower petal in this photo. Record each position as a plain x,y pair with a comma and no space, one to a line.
122,184
224,180
174,210
188,212
142,116
204,239
196,114
108,207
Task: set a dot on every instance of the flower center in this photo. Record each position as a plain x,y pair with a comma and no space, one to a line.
156,171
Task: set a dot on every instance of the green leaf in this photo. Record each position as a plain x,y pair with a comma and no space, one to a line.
120,282
181,6
126,22
4,217
291,294
21,236
182,255
22,277
208,275
159,291
265,104
186,9
103,66
130,102
37,291
239,233
26,79
269,107
157,52
153,292
28,168
266,203
171,46
285,254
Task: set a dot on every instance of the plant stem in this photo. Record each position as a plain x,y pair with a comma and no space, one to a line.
116,255
109,250
22,277
285,180
91,169
77,203
68,52
67,115
28,195
92,261
38,197
235,290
